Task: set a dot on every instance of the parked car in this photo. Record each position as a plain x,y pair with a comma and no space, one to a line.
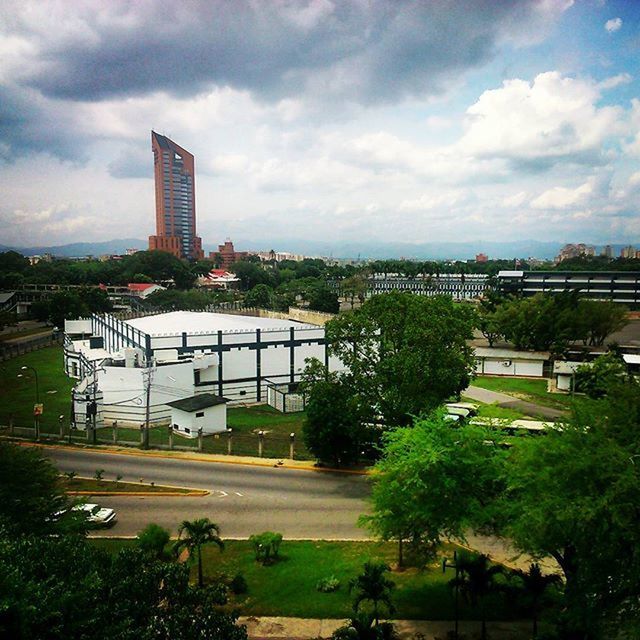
96,515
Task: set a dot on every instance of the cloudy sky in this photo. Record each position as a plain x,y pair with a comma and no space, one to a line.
361,120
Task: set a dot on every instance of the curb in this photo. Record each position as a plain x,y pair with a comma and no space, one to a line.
192,493
209,458
154,494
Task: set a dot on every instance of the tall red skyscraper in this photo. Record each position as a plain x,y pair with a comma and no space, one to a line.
174,171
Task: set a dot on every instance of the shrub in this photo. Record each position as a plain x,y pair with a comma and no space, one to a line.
153,539
238,585
328,585
266,545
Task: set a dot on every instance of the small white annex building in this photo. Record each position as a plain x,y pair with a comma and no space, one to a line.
171,356
510,362
564,372
205,411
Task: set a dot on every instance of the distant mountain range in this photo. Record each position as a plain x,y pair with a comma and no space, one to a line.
337,249
81,249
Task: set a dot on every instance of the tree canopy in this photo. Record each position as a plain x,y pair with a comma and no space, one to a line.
404,355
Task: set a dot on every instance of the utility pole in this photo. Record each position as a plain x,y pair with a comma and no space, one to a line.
148,374
454,565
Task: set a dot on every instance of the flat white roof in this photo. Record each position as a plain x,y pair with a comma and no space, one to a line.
203,322
510,354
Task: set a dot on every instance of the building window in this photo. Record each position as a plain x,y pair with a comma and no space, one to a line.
196,376
200,414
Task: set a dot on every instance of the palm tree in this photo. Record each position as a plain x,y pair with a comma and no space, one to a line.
535,583
197,533
372,585
476,580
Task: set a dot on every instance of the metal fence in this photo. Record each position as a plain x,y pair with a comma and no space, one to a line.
261,444
15,349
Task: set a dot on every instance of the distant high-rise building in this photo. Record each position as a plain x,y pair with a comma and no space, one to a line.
226,254
174,172
628,252
607,251
482,257
575,251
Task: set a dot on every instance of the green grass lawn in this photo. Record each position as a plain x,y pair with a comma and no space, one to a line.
495,411
245,423
525,389
18,395
102,486
288,587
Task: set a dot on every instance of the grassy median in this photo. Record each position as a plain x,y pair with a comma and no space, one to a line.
288,587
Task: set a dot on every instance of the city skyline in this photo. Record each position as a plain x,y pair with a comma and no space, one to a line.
400,122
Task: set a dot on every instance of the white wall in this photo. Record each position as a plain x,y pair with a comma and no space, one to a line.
530,368
214,420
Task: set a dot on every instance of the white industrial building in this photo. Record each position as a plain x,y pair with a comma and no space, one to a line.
156,359
494,361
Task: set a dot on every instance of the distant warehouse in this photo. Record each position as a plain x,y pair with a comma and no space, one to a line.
160,358
616,286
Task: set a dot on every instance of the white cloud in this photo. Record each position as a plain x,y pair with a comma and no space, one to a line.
613,25
615,81
515,200
562,197
551,119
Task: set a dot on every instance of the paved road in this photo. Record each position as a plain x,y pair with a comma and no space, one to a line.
243,499
511,402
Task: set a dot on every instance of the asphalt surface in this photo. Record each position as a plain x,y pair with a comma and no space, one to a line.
244,499
511,402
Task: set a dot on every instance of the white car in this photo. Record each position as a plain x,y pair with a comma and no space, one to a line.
96,515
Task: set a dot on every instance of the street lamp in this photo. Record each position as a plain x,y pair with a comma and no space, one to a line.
36,415
454,565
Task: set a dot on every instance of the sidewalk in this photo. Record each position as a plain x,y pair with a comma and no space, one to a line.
195,456
505,400
264,628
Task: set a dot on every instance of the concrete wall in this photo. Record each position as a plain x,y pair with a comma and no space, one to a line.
295,313
499,367
214,420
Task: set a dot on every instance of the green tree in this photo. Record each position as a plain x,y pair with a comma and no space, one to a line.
373,586
64,587
601,319
31,495
489,326
333,429
153,540
405,354
13,262
252,274
65,305
7,319
598,377
260,296
541,322
535,584
354,287
196,533
322,298
476,580
433,481
573,495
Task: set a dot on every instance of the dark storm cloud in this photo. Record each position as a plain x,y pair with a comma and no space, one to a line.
362,51
132,162
27,126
